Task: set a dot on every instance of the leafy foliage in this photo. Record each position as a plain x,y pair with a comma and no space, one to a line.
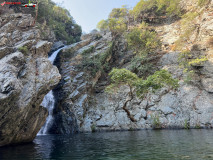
201,3
154,82
143,41
117,21
23,50
156,121
158,7
112,24
95,63
88,51
59,20
119,12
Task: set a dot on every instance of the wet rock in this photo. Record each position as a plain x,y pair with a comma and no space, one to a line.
56,46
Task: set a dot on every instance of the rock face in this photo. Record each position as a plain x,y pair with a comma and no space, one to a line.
26,75
82,104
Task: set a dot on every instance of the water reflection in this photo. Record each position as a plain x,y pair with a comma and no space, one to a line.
147,145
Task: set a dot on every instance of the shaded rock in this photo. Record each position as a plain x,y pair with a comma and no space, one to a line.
25,78
56,46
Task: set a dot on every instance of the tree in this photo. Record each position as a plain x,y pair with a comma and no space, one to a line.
141,87
117,21
59,20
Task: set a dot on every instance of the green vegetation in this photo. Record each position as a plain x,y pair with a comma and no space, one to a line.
187,61
157,7
59,20
69,53
88,51
117,21
201,3
142,40
197,126
96,62
154,82
141,66
156,121
93,128
188,26
186,124
23,50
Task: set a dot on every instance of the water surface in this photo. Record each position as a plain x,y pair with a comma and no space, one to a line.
136,145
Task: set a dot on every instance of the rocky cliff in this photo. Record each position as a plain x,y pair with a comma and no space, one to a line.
83,105
26,76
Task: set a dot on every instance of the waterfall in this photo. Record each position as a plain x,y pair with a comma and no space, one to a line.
49,102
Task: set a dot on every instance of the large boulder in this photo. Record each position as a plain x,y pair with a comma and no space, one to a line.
26,76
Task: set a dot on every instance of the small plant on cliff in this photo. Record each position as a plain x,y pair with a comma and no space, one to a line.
88,51
97,62
186,124
197,126
69,53
23,50
93,128
156,124
187,62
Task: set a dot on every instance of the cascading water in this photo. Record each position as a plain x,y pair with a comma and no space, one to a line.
49,102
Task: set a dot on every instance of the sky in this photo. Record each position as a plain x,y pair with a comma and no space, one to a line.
87,13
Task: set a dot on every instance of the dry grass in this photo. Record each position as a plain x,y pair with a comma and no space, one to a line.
210,42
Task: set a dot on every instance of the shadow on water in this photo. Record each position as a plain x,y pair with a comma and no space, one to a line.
147,145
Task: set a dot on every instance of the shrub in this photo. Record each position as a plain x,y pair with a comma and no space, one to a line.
23,50
186,124
187,61
143,41
59,20
116,26
154,82
95,63
201,3
158,7
69,53
156,121
141,66
88,51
